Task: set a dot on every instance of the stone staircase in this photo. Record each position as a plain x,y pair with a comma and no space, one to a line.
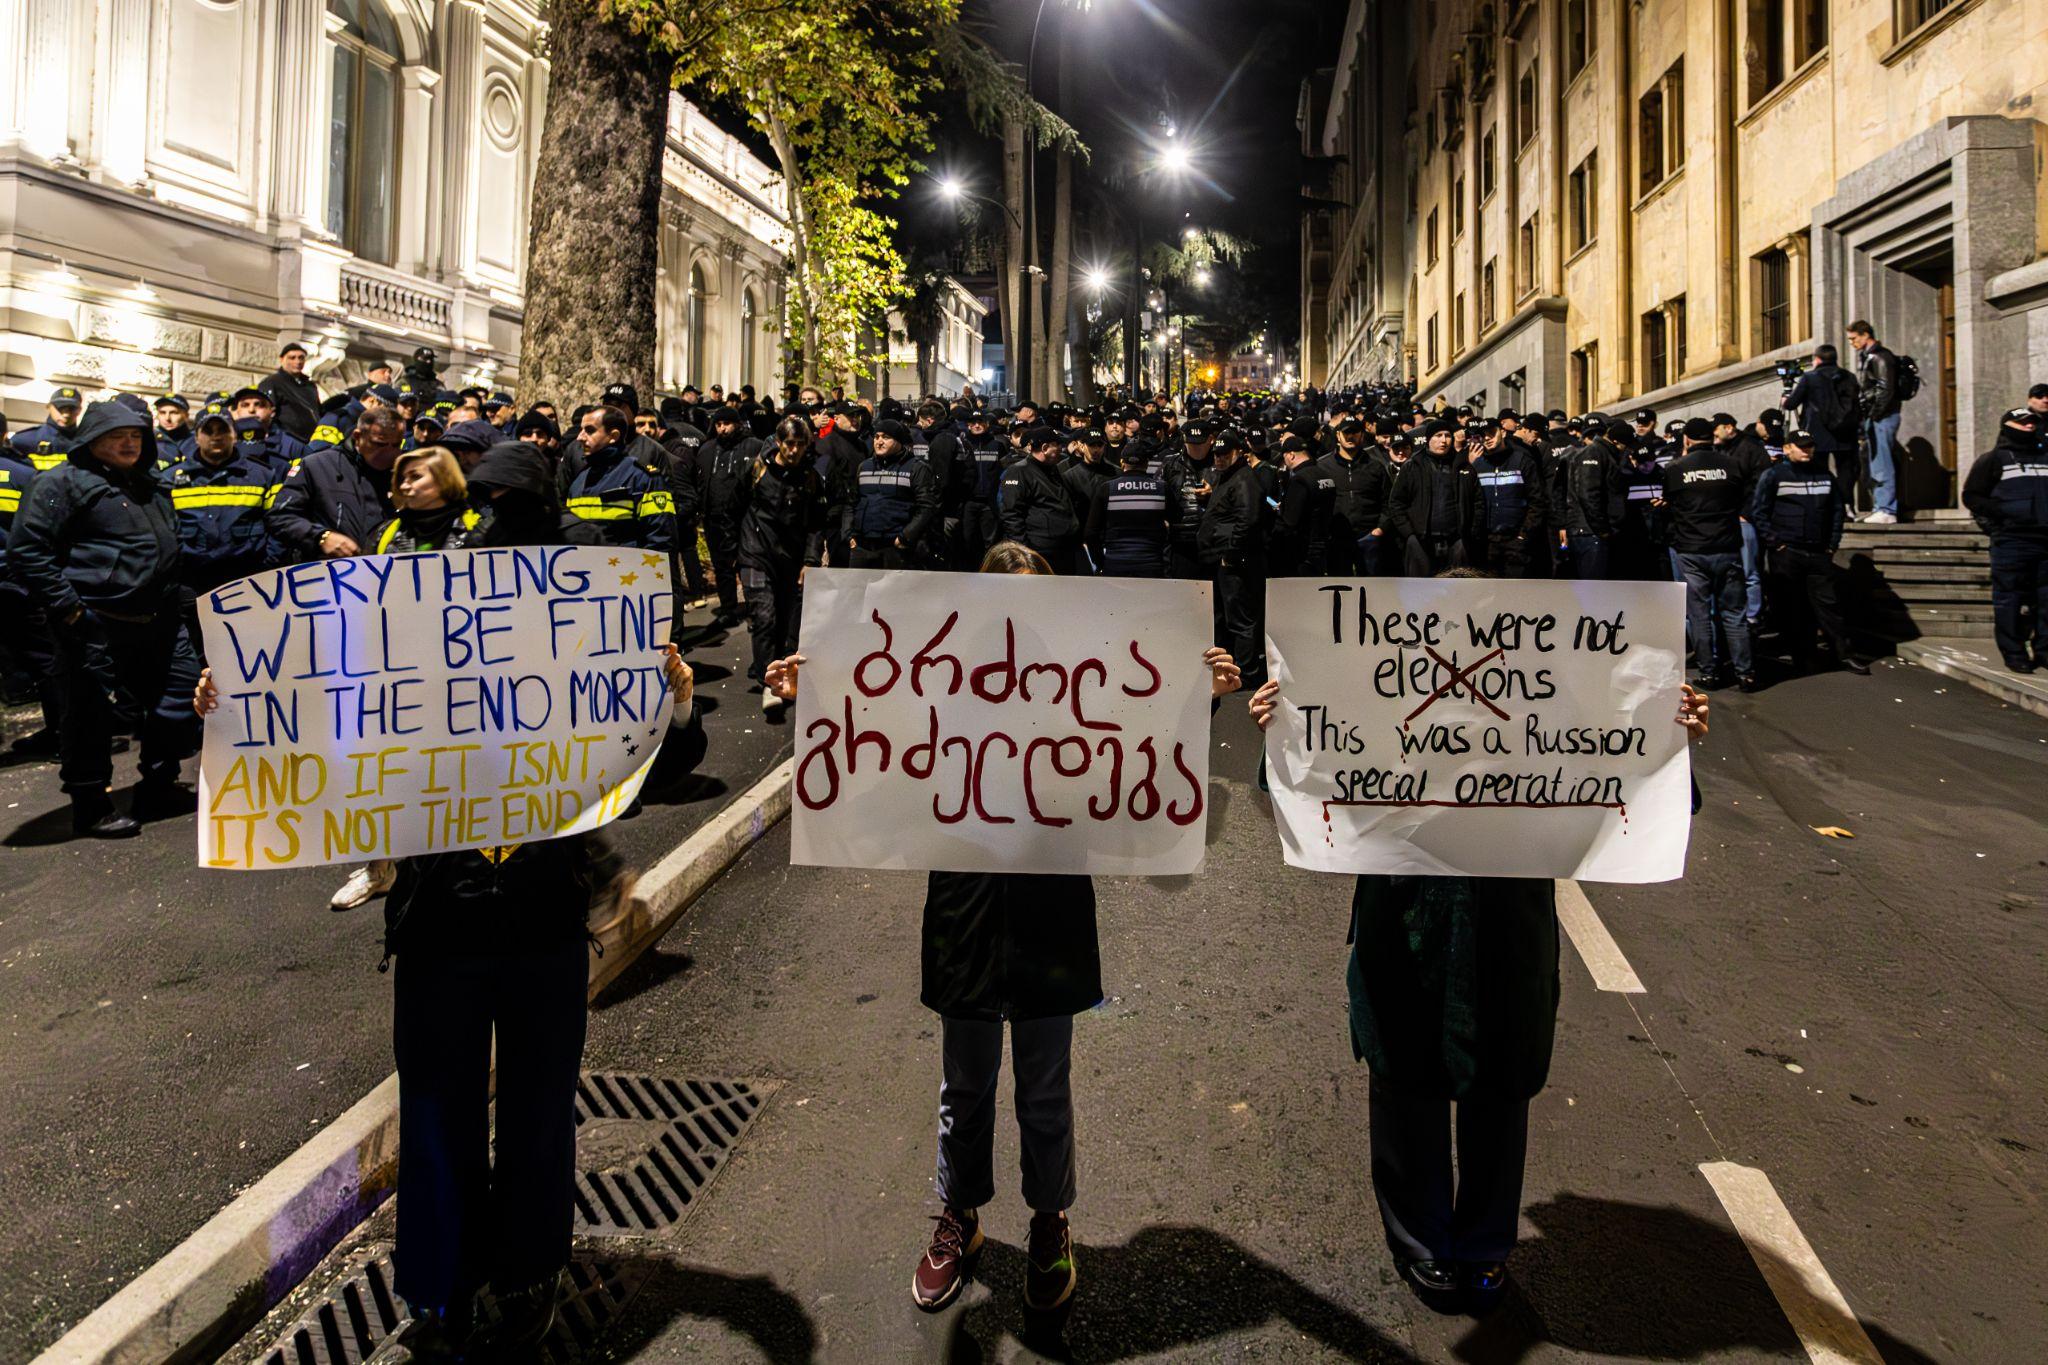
1921,578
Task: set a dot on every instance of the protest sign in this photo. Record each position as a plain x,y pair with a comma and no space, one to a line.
1002,723
1490,727
391,705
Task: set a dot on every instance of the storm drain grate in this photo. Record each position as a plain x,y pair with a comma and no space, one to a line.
362,1314
647,1146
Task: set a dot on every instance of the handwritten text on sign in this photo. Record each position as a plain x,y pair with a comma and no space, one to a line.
391,705
1002,723
1495,728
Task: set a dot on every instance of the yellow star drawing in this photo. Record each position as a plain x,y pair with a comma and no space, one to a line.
613,561
626,580
650,560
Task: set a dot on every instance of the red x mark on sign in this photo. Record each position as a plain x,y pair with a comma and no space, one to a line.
1459,677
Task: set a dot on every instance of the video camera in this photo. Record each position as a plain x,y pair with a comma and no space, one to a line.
1788,372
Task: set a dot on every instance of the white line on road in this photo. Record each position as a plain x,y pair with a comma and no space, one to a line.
1602,955
1816,1309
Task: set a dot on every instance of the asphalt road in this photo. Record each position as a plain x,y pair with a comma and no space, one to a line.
172,1033
1860,1019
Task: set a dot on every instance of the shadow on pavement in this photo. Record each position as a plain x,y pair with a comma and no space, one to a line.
1169,1286
1610,1278
752,1305
51,827
654,968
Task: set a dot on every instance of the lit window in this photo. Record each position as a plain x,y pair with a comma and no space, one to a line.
362,155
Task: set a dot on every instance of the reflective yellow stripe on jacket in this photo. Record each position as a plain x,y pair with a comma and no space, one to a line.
10,499
220,495
657,504
597,509
470,518
46,459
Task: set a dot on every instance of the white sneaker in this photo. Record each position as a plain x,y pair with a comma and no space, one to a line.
363,884
770,703
1880,519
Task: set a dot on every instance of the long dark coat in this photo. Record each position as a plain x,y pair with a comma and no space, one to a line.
1454,984
1010,945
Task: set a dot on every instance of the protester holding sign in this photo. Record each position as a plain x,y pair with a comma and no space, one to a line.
1454,990
490,942
1019,947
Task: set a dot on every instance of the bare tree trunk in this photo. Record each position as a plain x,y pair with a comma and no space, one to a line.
1011,296
1053,367
803,281
927,371
594,243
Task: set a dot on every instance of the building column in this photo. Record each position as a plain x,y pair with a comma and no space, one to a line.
42,78
415,162
122,97
299,150
462,69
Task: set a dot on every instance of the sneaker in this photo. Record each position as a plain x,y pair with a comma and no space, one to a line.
947,1262
770,703
1881,519
1852,664
1048,1262
364,884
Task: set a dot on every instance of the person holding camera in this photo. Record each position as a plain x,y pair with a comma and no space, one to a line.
1828,402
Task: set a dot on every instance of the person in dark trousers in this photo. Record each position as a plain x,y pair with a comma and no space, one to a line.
2007,492
895,504
722,465
1361,480
1186,473
28,655
1704,498
1454,990
1086,470
1021,949
1798,510
1752,458
1302,526
1035,507
1512,487
782,514
294,396
1232,543
968,462
331,505
1435,517
1590,495
95,546
492,945
222,498
1638,552
1128,523
1828,402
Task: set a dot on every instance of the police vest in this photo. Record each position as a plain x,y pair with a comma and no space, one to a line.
1506,490
1134,519
886,500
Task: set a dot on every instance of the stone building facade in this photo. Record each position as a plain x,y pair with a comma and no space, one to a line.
1627,203
184,184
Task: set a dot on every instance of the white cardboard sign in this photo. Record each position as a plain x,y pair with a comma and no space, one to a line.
1002,723
390,705
1486,727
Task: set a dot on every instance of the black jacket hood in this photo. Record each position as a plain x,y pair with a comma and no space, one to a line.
104,417
516,466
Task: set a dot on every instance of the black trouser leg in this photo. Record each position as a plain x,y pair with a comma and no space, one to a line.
1240,596
694,577
2019,580
540,1006
152,662
1493,1139
441,1033
1411,1172
27,647
725,568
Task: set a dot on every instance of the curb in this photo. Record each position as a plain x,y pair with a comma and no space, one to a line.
1956,659
207,1291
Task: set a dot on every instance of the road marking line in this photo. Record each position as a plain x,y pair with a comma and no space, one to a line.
1826,1325
1602,955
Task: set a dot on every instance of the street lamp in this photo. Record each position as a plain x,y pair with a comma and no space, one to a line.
1202,279
1098,279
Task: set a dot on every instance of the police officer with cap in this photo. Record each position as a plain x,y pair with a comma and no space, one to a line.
895,503
43,445
1435,515
173,427
1232,544
222,495
1128,519
1302,524
1512,486
26,650
1798,511
1186,474
1036,508
2007,492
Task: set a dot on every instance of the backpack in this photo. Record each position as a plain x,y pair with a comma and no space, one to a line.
1835,405
1907,383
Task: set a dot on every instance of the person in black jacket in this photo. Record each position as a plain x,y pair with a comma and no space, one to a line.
895,504
295,397
331,504
1512,486
1019,948
1877,372
1638,552
2007,492
1035,506
783,510
1302,534
1085,471
1360,479
1232,543
1752,458
1435,516
1128,521
1798,511
1705,495
491,945
95,546
1186,473
1591,492
1828,403
720,469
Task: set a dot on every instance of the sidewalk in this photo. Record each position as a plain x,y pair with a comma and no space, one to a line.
1977,663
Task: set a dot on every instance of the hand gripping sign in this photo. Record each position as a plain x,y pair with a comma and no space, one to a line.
392,705
1490,727
1002,723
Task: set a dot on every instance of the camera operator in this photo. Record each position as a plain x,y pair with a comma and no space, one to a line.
1826,401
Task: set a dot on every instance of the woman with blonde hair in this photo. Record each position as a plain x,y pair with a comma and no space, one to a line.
432,498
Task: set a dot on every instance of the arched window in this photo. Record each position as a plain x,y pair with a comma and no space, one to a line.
749,322
698,371
362,156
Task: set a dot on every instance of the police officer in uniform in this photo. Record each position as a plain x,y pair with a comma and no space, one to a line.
43,445
331,503
722,467
972,471
1232,544
1302,527
222,497
1360,480
1186,474
2007,492
1511,484
1592,492
1638,554
96,546
26,650
1037,509
173,428
1128,520
895,504
1085,470
1798,513
1705,496
782,510
621,495
1435,516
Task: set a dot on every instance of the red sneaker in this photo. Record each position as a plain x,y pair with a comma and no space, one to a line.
956,1241
1048,1262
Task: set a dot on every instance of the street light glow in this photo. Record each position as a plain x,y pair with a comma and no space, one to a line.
1174,157
1201,279
1098,279
950,187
